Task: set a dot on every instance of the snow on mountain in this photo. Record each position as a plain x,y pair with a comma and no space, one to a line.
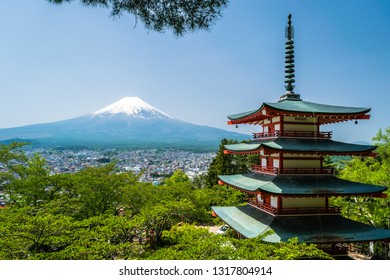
134,107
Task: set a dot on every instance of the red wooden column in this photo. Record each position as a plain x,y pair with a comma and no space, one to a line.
281,158
326,204
280,204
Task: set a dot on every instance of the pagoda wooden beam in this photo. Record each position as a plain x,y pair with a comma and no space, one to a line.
267,112
268,151
319,153
222,183
229,152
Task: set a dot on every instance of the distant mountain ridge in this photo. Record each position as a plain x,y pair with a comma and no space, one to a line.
127,122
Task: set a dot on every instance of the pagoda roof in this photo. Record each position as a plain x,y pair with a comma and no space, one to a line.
299,185
326,113
252,222
294,145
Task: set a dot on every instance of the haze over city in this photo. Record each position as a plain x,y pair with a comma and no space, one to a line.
60,62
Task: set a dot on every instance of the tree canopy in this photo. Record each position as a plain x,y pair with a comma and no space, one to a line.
98,213
227,164
180,16
375,171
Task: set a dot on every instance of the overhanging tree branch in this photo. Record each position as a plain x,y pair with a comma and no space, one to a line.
180,16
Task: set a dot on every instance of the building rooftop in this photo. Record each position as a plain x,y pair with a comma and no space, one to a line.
299,185
326,113
251,222
307,146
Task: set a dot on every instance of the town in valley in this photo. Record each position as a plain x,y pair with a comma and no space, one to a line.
154,165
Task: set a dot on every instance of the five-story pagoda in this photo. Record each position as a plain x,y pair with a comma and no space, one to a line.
290,189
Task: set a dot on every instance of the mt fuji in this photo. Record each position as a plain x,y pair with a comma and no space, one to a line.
132,107
129,122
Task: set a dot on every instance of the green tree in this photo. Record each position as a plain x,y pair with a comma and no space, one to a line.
12,152
227,164
104,237
199,181
99,190
171,204
376,171
188,242
31,233
180,16
28,231
11,155
382,141
137,196
177,177
30,184
220,196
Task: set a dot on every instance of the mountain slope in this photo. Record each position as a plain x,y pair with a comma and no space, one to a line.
130,121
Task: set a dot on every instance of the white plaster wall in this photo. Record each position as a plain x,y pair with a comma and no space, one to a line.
303,202
301,163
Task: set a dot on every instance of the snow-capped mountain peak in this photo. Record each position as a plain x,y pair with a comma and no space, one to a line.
129,122
134,107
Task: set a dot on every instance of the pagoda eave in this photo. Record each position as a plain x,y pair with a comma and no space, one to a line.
285,145
222,183
268,151
319,153
322,118
379,194
299,185
267,111
229,152
326,119
251,222
255,119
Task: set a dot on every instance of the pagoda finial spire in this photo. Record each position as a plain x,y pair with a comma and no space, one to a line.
289,29
289,63
289,58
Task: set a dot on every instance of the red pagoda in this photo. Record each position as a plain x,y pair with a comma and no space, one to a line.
290,189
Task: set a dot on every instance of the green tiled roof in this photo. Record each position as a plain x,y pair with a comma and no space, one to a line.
302,145
299,185
309,107
244,221
303,107
243,147
251,222
245,114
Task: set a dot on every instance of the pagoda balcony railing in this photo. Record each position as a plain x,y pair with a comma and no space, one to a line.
275,170
294,134
310,210
268,208
262,169
294,210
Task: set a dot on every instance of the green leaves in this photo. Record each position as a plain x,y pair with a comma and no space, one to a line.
29,184
369,210
180,16
226,164
28,232
376,171
177,177
189,242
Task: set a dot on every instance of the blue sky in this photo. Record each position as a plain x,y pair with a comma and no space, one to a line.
59,62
